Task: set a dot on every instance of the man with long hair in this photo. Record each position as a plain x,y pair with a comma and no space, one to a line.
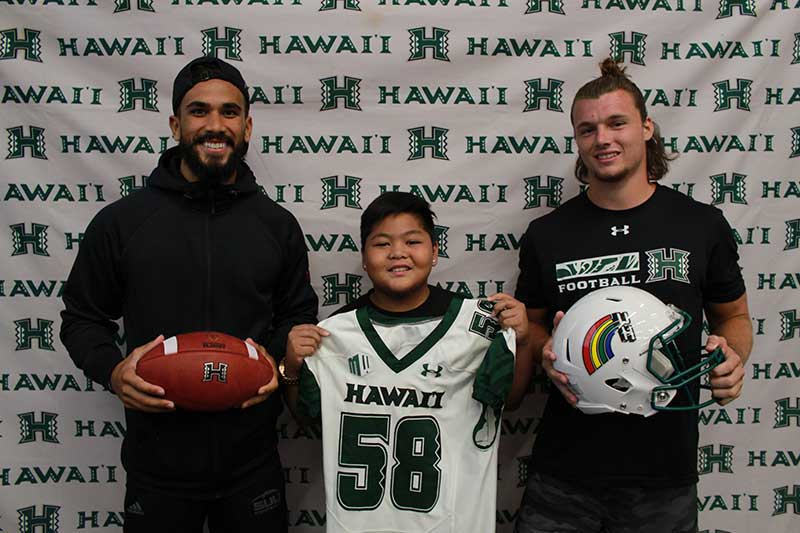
619,472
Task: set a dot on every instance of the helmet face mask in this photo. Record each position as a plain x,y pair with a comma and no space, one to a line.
629,361
680,379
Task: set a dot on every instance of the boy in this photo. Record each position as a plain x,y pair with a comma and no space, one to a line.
411,380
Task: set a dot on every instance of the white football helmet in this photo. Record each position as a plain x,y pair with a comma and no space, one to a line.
617,346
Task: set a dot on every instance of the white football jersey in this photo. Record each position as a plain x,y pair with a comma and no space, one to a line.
410,418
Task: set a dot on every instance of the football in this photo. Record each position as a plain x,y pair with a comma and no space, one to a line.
205,371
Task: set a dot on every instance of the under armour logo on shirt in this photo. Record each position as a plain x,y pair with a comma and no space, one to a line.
426,369
626,229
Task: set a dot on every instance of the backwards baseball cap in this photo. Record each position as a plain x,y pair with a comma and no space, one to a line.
204,69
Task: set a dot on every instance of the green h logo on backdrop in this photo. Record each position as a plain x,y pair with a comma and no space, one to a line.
25,333
722,188
11,44
333,289
745,7
349,93
789,324
421,43
129,94
22,240
796,49
553,6
332,191
535,93
633,49
707,458
523,470
441,239
352,5
47,427
141,5
127,185
792,234
535,191
436,143
786,413
795,141
782,499
231,44
18,142
724,94
30,522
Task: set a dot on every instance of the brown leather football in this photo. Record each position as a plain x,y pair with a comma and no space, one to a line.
206,370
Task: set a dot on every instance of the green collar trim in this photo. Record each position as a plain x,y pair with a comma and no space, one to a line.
364,317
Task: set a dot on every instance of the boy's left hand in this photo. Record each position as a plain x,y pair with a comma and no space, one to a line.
267,389
511,313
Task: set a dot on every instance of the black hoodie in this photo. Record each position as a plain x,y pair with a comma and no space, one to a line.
176,257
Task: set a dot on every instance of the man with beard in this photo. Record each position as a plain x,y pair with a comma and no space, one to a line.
198,249
619,472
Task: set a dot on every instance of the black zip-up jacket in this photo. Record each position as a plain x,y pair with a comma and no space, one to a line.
176,257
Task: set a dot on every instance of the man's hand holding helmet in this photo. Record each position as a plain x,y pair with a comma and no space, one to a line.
728,377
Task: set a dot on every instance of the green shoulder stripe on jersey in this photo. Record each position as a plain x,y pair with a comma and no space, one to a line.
309,401
492,384
364,317
495,375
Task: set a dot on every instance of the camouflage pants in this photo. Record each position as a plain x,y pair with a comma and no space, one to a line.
550,505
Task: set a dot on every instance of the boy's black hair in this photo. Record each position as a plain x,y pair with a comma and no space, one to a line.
396,203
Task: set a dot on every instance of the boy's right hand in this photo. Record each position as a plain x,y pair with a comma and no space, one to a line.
561,381
303,341
133,391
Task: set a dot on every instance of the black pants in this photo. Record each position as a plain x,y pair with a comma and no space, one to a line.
259,507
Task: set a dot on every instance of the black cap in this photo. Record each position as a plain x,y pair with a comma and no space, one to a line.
204,69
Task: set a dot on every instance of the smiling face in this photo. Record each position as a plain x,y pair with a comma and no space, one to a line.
611,138
398,256
212,130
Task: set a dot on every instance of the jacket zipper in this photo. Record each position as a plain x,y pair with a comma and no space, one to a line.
214,444
208,259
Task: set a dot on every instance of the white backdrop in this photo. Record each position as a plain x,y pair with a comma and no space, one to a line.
464,102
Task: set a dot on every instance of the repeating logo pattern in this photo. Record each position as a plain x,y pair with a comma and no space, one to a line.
708,458
467,107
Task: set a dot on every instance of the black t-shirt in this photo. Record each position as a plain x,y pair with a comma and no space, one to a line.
677,249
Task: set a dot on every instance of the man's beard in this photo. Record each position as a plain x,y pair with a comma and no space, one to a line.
213,173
